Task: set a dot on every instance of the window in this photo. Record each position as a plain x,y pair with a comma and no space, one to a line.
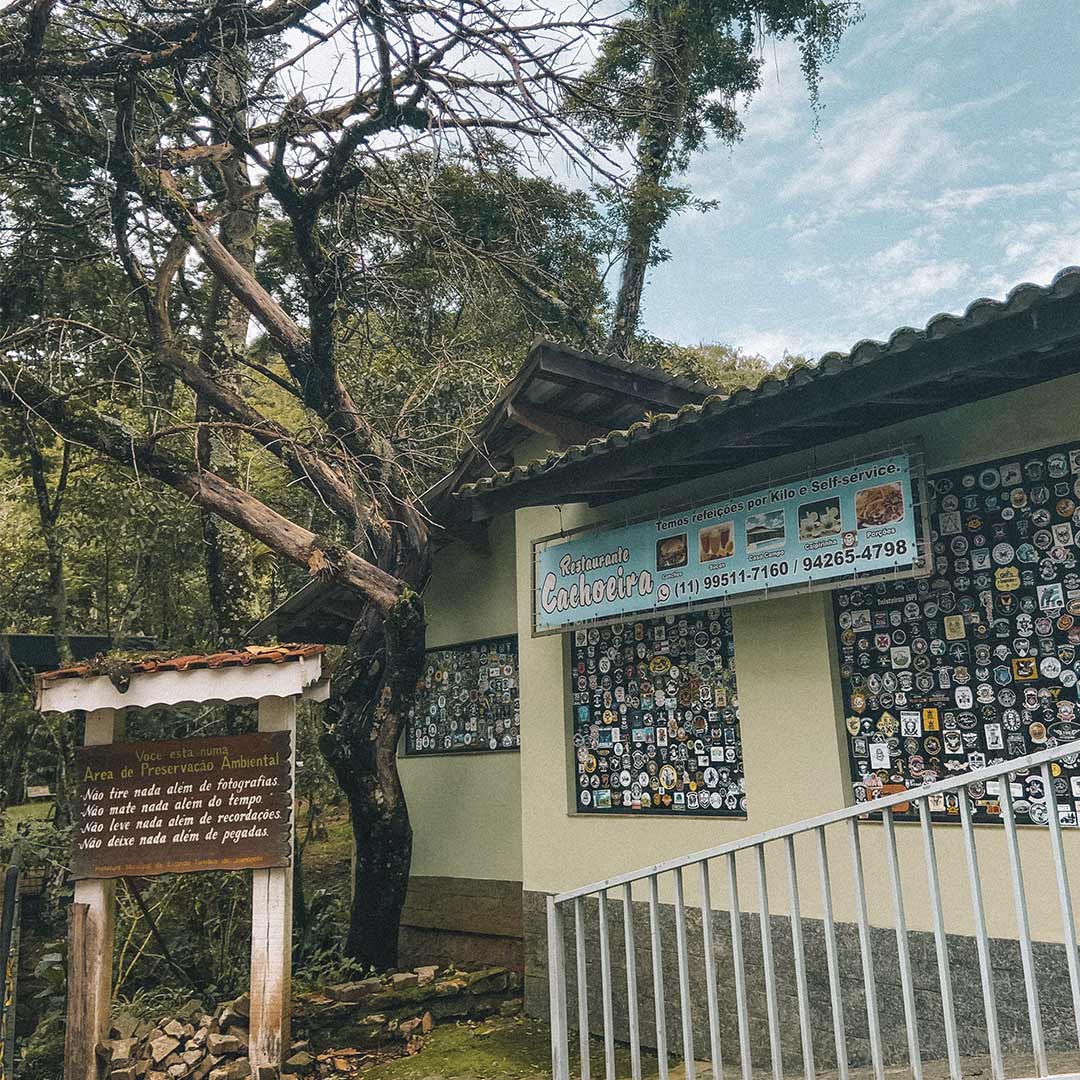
976,663
467,700
656,718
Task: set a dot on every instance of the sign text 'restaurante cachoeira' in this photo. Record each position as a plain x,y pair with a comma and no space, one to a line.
851,521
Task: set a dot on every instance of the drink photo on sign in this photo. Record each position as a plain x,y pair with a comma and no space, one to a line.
819,519
717,541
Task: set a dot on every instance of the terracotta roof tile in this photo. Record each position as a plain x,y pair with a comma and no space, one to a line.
250,654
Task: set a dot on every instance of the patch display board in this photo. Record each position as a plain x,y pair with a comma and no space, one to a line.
179,805
859,520
656,717
979,662
467,700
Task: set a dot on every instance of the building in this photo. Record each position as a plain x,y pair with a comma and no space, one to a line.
946,461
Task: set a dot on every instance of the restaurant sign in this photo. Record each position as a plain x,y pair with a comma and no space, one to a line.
180,805
826,529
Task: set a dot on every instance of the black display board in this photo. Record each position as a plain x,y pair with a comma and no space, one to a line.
467,700
656,718
978,662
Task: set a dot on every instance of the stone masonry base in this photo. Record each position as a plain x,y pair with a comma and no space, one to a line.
1050,962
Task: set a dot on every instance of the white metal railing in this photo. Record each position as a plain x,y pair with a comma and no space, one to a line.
572,905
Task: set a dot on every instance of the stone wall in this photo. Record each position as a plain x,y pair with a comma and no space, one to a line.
1050,960
462,921
332,1028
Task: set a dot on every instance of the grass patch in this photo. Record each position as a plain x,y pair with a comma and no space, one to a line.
497,1049
13,816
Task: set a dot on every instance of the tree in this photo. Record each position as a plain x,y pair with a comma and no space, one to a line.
669,76
170,123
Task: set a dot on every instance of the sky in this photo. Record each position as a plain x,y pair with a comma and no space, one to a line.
945,167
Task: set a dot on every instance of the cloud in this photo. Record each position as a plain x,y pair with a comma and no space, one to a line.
918,24
1036,250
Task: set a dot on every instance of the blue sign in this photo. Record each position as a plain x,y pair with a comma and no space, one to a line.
856,520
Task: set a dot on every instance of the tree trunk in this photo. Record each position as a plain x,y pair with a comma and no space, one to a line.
647,203
636,256
227,549
373,687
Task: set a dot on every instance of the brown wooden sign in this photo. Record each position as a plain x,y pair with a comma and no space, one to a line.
182,805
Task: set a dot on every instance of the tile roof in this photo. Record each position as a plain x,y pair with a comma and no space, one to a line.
867,351
151,662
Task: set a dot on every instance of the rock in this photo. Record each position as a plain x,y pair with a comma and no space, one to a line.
190,1057
230,1018
266,1072
124,1025
511,1007
162,1047
202,1070
239,1069
488,980
403,979
119,1052
126,1073
300,1062
425,975
174,1028
408,1028
242,1005
355,991
177,1070
224,1044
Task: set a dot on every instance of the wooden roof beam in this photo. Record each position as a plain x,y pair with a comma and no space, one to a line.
663,396
568,430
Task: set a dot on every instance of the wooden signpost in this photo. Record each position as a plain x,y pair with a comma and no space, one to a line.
180,806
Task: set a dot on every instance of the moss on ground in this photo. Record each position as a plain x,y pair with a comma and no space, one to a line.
13,816
328,860
498,1049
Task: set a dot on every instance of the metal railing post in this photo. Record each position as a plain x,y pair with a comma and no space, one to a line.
560,1049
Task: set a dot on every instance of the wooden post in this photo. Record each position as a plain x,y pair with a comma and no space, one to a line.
90,943
271,923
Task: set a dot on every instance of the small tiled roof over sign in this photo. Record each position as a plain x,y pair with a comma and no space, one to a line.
995,346
154,662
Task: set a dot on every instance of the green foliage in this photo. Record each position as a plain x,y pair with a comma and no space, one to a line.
42,1054
672,72
206,929
726,368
